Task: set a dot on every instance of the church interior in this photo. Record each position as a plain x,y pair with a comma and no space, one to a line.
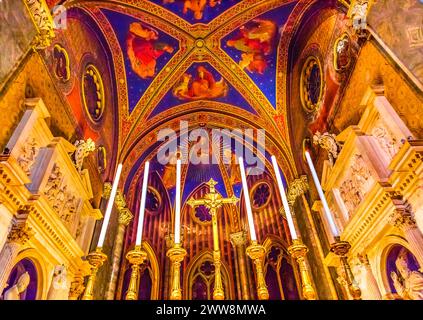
211,150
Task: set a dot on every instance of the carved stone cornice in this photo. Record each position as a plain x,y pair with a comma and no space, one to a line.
298,187
238,238
43,22
125,217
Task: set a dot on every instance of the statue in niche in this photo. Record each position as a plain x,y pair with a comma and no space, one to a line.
409,284
386,141
59,288
83,149
14,292
328,142
53,183
28,154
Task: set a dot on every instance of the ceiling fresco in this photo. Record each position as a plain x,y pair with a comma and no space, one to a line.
223,61
254,47
202,82
197,11
146,50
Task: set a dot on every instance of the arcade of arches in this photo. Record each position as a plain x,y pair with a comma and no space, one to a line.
122,127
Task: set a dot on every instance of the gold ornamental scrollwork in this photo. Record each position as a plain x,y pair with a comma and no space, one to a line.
43,22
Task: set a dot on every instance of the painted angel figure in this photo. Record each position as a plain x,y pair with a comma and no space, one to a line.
407,283
144,48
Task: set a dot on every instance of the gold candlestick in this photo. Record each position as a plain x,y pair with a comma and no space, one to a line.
298,252
257,253
341,248
96,259
136,258
176,256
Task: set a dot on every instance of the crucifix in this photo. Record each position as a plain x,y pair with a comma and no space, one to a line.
213,201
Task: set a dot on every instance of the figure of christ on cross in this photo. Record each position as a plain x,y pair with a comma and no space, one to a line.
213,201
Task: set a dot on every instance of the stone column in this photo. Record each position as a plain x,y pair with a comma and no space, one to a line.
372,289
125,217
238,241
403,219
17,237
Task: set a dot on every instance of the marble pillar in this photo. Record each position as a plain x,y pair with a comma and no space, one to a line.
125,217
238,241
371,289
403,219
18,236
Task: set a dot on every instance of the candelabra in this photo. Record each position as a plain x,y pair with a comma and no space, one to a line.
136,258
176,256
341,248
96,259
298,252
257,253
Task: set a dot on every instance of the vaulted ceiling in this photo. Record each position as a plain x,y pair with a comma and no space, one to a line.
214,63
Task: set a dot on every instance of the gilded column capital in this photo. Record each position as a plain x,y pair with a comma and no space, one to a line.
120,201
43,22
125,217
107,189
238,238
402,219
20,234
297,187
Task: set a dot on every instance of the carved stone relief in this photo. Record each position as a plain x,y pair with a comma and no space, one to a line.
358,182
63,200
386,139
28,154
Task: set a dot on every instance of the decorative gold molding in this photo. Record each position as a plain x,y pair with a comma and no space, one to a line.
43,22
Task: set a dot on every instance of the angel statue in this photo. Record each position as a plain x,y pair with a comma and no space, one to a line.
14,292
407,283
328,142
83,149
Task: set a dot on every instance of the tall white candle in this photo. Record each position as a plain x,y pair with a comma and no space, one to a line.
285,203
178,202
109,207
247,200
326,209
142,204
